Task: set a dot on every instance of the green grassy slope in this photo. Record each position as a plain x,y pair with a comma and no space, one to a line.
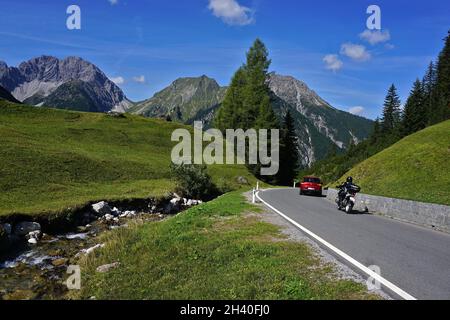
54,159
415,168
213,251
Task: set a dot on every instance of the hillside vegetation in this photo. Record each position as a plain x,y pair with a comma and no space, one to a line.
415,168
54,159
219,250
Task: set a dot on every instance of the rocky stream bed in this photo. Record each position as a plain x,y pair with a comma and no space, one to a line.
36,262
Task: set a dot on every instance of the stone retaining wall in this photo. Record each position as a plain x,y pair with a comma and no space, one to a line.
425,214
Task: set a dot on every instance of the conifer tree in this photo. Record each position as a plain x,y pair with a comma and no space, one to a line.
429,87
231,113
441,111
247,103
415,112
391,112
289,153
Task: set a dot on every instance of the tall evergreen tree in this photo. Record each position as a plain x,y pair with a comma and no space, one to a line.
415,112
441,111
247,102
391,112
289,153
256,91
429,87
231,114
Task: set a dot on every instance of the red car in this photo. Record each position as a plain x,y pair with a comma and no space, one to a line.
311,185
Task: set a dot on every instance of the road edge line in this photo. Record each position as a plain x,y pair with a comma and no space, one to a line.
343,255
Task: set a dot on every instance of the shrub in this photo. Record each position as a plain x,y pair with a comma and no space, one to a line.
193,181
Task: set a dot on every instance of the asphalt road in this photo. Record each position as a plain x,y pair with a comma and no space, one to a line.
415,259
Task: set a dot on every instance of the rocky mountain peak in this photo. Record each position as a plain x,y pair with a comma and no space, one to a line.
295,92
36,79
183,99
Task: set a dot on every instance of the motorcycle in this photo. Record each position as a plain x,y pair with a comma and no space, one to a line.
349,201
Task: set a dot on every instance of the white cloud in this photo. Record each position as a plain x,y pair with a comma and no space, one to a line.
332,62
118,80
113,2
139,79
231,12
356,110
355,51
375,36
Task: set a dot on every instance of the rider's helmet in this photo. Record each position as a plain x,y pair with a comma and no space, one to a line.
350,180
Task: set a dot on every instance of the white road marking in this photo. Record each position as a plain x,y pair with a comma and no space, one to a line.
343,255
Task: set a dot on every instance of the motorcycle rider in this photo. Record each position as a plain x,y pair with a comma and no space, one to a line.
344,187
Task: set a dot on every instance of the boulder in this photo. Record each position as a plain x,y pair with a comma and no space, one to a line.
108,217
34,235
107,267
24,228
32,241
59,262
101,208
242,180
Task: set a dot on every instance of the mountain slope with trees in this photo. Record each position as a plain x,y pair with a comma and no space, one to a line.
427,104
183,100
415,168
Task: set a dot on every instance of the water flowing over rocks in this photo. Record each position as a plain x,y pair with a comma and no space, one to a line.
35,265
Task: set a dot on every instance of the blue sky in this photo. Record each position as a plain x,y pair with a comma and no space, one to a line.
145,45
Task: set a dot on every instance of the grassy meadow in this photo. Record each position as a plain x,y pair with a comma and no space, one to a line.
219,250
51,160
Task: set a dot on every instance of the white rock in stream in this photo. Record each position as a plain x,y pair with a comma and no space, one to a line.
72,236
128,214
116,212
90,250
34,236
107,267
101,208
108,217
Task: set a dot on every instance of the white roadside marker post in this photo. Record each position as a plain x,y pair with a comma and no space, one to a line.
257,185
254,196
